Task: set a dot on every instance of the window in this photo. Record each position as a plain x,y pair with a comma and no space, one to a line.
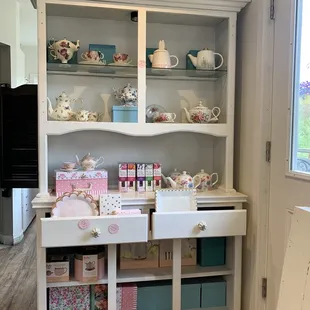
300,144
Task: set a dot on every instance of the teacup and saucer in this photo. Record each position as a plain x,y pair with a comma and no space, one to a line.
68,166
93,58
121,59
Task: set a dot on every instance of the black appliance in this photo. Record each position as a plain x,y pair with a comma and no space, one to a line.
18,136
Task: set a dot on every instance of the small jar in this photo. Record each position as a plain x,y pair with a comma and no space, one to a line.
78,264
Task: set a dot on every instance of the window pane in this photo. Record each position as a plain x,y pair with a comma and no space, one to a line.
300,159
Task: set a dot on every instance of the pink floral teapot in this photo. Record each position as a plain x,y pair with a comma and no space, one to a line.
184,180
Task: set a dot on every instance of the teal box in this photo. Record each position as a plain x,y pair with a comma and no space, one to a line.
213,293
190,294
149,51
189,64
107,50
122,114
211,251
154,295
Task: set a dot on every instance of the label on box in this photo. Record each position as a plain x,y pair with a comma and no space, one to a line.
122,177
157,176
141,177
57,271
131,177
110,204
149,178
90,268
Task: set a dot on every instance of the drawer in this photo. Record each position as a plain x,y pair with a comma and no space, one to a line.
75,231
198,224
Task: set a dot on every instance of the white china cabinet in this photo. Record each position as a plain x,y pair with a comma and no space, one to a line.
185,26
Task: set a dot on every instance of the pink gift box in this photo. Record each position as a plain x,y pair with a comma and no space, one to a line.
93,182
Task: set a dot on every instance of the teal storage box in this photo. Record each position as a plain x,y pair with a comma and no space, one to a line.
211,251
190,294
155,295
213,293
189,64
149,51
122,114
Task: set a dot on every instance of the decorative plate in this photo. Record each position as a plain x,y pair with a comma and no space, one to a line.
75,204
93,63
174,200
69,170
124,64
151,110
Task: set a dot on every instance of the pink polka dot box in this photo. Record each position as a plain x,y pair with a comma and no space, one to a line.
94,182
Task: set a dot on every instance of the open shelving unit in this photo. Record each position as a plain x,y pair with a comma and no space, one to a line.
185,26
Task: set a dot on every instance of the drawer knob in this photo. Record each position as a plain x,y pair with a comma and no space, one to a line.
202,226
95,232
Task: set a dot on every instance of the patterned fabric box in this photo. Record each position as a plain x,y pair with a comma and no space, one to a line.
126,297
69,298
93,182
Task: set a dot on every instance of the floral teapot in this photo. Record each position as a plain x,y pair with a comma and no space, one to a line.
207,180
63,49
202,114
184,180
63,111
127,95
89,163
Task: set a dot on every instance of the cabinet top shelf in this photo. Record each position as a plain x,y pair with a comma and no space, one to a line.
131,72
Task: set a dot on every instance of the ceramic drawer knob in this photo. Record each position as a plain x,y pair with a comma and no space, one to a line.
95,232
202,226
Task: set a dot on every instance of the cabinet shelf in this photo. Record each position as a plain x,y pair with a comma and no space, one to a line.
148,198
131,72
153,274
135,129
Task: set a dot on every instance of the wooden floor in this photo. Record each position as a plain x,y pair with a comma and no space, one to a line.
18,274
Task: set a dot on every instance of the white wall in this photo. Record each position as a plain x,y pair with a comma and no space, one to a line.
10,35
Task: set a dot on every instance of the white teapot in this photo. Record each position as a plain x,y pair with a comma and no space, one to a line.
205,60
173,175
63,110
161,57
202,114
89,162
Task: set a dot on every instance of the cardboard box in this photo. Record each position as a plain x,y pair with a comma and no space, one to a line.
188,252
131,177
57,269
157,176
141,177
139,255
122,177
110,204
149,174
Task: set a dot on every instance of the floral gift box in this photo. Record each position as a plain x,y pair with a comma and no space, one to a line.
69,298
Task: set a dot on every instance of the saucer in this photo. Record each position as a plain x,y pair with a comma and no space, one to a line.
69,170
89,62
123,64
164,122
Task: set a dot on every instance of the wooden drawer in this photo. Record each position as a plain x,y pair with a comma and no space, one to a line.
171,225
74,231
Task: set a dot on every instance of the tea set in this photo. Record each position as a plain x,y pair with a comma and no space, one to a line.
202,114
164,117
64,112
87,163
202,181
126,96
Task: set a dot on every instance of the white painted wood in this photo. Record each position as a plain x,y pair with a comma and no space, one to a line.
225,5
42,93
41,263
176,274
57,232
112,265
154,274
170,225
285,192
212,198
295,287
135,129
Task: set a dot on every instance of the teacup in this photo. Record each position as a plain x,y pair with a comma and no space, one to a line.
164,117
82,116
120,58
93,116
94,56
59,271
68,165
